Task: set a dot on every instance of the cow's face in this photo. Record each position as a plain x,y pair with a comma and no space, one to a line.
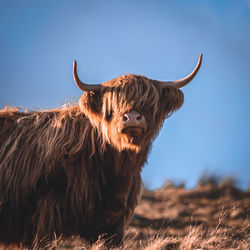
130,109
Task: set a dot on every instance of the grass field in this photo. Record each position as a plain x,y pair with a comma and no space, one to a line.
211,216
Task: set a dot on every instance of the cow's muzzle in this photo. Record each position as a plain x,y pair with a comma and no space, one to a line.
132,123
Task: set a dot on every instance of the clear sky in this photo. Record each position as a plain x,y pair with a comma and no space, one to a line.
161,39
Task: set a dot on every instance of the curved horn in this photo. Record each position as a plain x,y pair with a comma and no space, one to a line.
184,81
81,85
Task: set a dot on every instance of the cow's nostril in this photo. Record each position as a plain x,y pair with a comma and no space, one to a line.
124,118
138,118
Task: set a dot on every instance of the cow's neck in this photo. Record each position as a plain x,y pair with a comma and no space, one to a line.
119,181
125,163
120,170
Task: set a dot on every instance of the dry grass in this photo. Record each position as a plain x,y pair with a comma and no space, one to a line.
212,216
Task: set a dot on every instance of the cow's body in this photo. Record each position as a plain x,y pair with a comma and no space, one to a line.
77,170
77,190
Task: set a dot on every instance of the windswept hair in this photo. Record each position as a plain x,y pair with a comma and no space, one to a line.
42,139
130,92
43,150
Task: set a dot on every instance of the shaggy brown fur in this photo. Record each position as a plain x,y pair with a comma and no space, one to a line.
69,171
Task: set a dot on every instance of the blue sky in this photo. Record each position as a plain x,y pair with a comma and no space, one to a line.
159,39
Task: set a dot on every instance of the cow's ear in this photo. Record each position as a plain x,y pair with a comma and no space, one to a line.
91,105
171,99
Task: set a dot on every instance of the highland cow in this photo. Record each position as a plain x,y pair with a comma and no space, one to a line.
76,170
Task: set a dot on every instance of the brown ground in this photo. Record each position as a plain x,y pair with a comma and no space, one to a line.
208,217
